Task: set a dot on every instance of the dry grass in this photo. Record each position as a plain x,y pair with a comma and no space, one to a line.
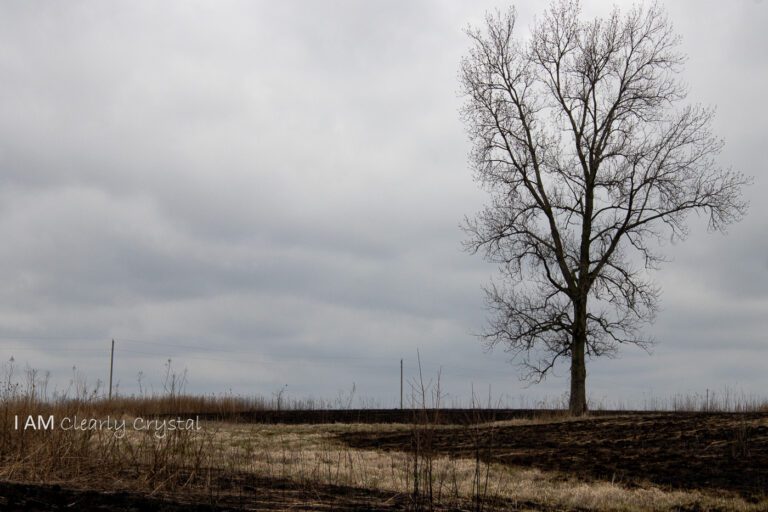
311,454
307,454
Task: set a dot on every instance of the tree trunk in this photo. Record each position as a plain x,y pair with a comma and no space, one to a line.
578,398
578,401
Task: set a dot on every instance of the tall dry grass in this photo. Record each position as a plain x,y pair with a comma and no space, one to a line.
308,455
35,448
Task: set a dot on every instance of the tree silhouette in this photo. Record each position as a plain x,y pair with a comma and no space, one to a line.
581,137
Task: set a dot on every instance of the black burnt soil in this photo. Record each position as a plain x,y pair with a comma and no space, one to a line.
715,451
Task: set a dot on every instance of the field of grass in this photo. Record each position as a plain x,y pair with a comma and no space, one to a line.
242,455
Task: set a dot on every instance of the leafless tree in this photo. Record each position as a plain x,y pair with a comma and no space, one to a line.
581,137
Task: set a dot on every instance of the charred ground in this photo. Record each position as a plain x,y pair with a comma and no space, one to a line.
709,451
721,458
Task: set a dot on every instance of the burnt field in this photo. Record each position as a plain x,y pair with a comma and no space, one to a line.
404,460
255,494
705,451
382,416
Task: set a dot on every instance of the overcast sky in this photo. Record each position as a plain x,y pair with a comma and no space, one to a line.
269,193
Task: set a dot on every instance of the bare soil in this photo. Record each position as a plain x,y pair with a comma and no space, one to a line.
253,494
721,453
245,493
370,416
707,451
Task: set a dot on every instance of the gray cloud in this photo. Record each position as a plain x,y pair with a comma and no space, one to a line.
269,193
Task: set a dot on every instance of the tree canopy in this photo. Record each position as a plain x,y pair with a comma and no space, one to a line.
591,156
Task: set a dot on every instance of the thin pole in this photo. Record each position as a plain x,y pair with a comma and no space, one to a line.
111,366
401,383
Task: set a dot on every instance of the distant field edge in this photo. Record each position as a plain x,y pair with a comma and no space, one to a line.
434,416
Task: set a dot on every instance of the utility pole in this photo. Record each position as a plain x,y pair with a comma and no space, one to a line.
401,384
111,366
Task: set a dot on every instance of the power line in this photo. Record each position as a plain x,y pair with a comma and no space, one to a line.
285,360
50,338
255,358
239,350
209,348
47,349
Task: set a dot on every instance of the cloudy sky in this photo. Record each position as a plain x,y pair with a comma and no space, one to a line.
270,193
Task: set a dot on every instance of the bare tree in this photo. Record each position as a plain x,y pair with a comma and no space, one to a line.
581,138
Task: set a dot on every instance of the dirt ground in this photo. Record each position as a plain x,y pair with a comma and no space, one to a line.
256,494
723,455
707,451
379,416
246,493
